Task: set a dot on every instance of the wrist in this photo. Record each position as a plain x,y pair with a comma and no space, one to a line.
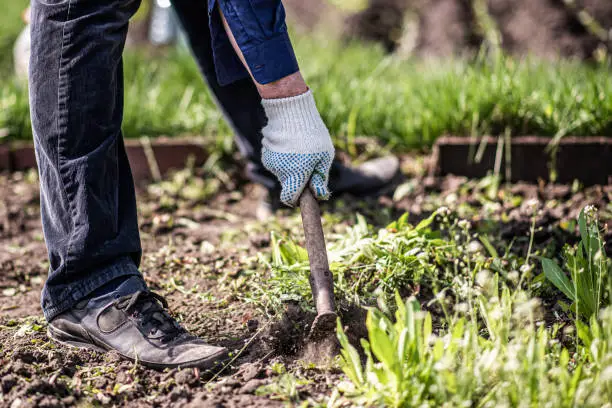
295,125
292,85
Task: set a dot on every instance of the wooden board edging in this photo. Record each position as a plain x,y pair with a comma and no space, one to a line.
587,159
148,158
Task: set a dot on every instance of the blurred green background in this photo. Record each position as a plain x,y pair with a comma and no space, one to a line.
404,100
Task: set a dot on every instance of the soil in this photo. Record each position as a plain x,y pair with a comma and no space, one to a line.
510,209
178,260
311,14
445,27
381,22
545,28
195,253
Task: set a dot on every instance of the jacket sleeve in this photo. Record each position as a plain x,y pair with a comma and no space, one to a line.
260,30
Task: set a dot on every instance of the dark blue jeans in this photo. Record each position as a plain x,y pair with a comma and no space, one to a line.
88,202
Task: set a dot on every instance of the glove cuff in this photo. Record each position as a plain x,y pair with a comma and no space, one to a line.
295,125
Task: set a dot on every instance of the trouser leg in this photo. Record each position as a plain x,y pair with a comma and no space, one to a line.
239,101
87,194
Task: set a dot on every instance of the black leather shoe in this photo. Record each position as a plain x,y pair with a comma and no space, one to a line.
371,178
137,327
368,179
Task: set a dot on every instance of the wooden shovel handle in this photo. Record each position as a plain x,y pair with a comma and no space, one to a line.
321,279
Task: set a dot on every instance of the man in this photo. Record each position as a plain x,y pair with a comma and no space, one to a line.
95,296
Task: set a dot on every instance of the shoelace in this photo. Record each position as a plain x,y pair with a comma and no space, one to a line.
149,307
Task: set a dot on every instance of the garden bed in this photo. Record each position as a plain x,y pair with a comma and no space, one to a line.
531,158
209,257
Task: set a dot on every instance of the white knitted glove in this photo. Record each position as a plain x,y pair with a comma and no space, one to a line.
297,147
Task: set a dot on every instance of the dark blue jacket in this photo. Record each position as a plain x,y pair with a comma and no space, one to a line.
261,32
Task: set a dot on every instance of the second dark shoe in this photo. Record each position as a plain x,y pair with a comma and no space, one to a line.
372,177
139,328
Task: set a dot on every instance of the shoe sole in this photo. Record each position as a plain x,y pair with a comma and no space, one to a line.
69,340
66,339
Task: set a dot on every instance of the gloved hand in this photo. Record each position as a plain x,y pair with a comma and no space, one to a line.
297,147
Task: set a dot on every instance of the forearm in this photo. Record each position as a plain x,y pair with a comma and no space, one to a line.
287,86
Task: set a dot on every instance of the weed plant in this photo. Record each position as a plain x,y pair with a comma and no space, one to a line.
588,267
436,254
510,360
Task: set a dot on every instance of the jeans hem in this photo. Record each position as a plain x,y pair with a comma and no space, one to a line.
123,267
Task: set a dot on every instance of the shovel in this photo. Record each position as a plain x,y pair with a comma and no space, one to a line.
321,279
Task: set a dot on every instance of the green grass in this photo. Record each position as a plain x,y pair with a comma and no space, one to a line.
360,91
11,25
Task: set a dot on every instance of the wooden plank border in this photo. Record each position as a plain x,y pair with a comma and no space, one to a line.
587,159
5,157
148,158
